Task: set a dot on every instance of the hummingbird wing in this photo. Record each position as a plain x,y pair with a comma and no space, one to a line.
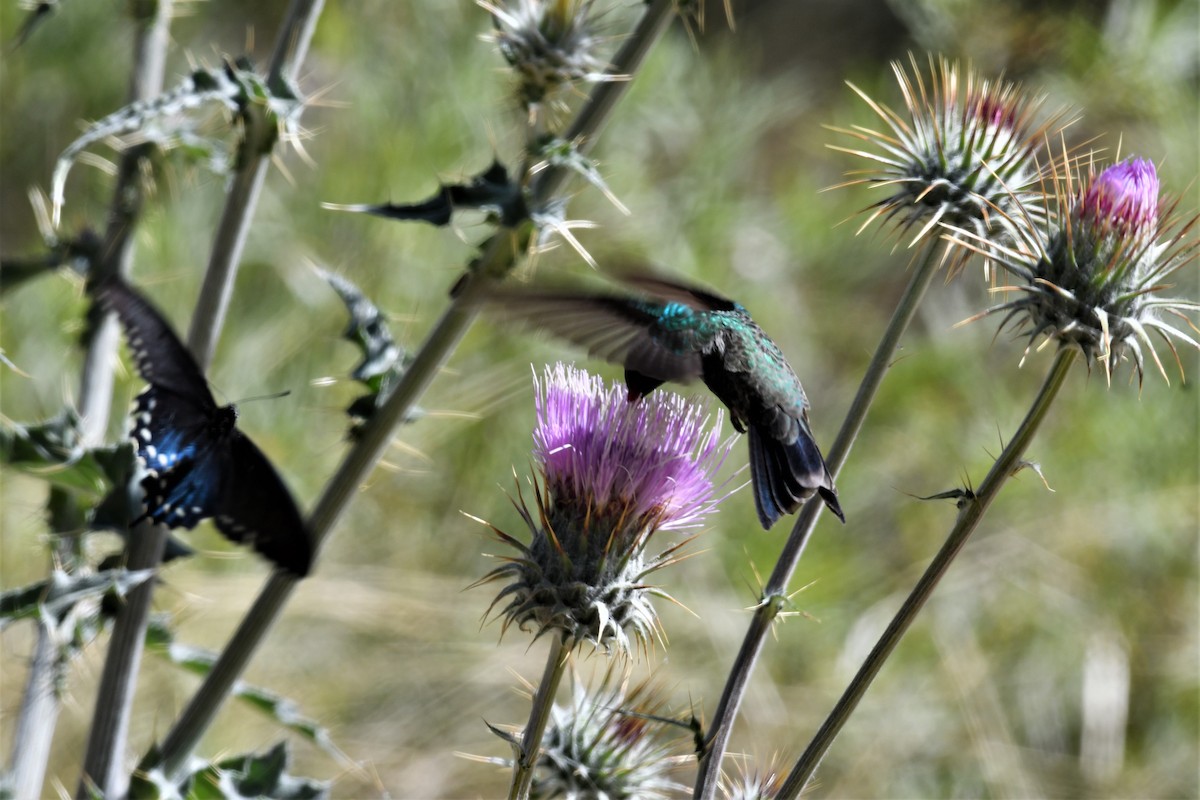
658,340
673,291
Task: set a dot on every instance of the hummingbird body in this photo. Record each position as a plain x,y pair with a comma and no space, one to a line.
686,333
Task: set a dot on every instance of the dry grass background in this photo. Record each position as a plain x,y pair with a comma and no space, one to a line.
719,152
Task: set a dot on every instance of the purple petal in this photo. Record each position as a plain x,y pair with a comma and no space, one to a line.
655,457
1124,198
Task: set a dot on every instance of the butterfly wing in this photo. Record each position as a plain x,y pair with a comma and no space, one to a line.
255,508
177,426
161,358
186,492
198,465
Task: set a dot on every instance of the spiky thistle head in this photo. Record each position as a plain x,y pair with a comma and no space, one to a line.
963,154
610,742
550,44
1092,276
752,784
613,473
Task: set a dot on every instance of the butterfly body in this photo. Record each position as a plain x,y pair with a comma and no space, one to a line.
197,463
682,333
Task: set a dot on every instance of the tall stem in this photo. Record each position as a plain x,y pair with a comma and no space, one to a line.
969,517
774,593
185,735
539,715
114,697
119,679
42,700
493,265
291,45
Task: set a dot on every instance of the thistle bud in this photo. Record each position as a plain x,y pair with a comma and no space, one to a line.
1092,277
550,44
962,155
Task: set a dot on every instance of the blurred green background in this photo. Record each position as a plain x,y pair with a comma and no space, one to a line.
1060,657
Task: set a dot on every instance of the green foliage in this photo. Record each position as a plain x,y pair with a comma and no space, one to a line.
235,778
51,451
383,361
70,606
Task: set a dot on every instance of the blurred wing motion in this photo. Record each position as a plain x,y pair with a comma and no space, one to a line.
198,464
680,333
659,341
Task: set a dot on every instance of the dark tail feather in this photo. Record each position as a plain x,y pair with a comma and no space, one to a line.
785,475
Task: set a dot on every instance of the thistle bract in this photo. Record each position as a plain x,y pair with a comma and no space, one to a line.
550,44
962,155
608,743
1093,275
752,784
613,473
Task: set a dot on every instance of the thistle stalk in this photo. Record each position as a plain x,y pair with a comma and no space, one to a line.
963,154
971,514
774,594
530,748
498,258
114,700
612,476
109,731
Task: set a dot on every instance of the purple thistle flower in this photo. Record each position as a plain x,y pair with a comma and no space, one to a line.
613,473
1123,200
1094,272
602,455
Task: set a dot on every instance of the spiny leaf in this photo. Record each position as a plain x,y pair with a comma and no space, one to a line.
51,451
283,710
165,120
69,604
255,775
367,329
78,253
491,191
384,362
252,775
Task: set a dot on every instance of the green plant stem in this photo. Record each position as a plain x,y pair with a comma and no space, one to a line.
110,726
34,731
345,483
114,697
496,261
291,46
969,517
42,700
774,595
539,715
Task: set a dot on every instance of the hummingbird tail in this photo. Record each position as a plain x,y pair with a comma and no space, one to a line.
786,474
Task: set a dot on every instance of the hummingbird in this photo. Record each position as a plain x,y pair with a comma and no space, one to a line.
675,332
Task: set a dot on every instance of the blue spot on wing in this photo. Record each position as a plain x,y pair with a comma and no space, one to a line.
167,428
180,498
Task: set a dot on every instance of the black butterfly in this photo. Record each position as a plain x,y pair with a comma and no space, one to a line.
198,464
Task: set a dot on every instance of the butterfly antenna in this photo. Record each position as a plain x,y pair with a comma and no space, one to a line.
275,396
